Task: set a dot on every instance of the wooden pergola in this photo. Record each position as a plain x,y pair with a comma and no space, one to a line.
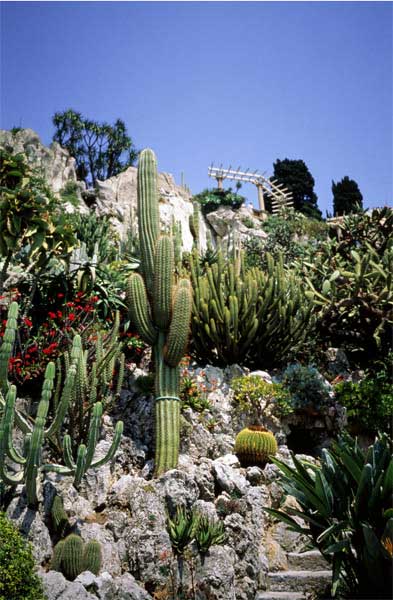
281,197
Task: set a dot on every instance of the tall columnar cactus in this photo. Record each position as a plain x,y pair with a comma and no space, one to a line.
7,345
194,224
161,312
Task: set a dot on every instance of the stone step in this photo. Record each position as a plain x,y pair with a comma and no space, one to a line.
307,561
299,581
279,596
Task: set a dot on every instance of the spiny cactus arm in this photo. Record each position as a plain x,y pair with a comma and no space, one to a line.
163,276
113,447
7,345
80,465
120,376
62,407
139,309
6,427
148,213
6,446
180,324
33,458
94,432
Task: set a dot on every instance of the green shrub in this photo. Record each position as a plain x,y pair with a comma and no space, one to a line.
346,505
18,577
369,403
212,199
306,387
257,398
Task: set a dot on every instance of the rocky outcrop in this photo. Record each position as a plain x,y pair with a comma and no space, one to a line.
117,197
57,166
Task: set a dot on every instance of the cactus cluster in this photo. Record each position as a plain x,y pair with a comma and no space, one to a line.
251,317
71,556
161,312
35,430
254,445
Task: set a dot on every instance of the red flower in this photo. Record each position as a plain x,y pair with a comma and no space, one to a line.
59,314
60,295
27,322
71,316
52,315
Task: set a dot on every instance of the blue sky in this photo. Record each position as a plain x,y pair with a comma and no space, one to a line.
240,83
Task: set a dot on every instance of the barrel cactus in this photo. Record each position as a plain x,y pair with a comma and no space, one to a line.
71,556
161,313
254,445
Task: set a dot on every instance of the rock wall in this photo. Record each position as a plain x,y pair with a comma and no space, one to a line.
117,197
58,167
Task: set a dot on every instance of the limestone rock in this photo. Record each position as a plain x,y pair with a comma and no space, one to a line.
57,165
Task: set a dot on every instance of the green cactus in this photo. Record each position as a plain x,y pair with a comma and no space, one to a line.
71,559
253,317
35,434
74,392
254,445
194,224
161,313
85,454
57,556
7,345
59,516
71,556
92,557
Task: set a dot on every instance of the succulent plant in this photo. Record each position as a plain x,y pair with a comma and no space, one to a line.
255,445
71,556
161,312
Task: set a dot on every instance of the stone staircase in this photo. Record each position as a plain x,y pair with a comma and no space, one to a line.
307,572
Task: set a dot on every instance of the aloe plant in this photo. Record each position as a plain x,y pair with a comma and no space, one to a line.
346,505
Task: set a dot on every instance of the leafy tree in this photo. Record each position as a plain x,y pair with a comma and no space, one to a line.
296,177
100,150
347,198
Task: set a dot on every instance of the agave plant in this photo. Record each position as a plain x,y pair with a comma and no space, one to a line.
346,505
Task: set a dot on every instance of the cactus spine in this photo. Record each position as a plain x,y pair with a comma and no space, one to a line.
254,445
161,313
